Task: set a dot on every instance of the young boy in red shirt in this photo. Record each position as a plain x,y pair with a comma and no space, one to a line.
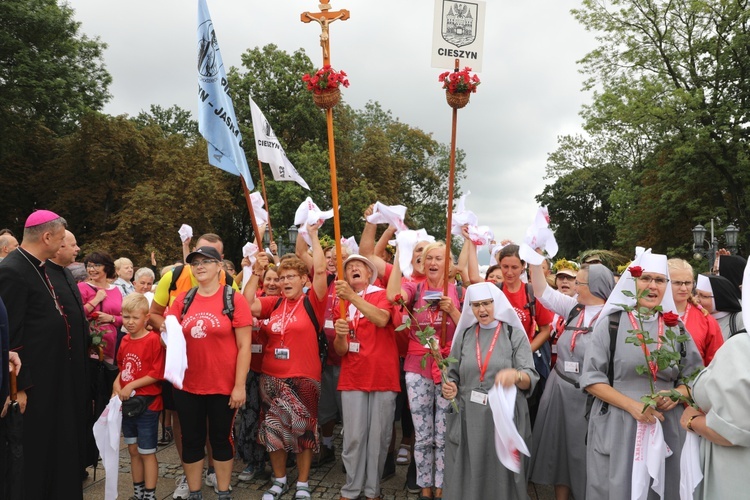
141,362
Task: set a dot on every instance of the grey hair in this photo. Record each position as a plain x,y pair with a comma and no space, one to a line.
143,271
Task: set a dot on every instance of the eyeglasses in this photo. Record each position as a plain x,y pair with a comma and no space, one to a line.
202,263
704,296
680,284
564,277
482,303
646,280
91,265
288,277
581,283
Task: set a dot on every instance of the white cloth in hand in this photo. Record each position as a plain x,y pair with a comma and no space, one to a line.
176,361
186,232
107,437
508,442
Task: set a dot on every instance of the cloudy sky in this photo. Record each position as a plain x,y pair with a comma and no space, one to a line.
530,92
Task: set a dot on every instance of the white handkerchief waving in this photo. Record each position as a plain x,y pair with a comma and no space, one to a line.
176,360
508,442
462,216
250,250
261,216
393,215
406,242
309,213
538,236
107,437
185,232
351,244
690,466
649,455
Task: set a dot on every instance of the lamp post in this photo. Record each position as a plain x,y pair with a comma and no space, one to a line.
731,234
292,233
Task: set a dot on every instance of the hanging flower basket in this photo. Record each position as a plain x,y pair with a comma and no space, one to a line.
457,100
327,99
324,85
459,85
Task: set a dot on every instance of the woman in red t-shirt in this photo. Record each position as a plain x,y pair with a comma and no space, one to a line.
369,380
537,326
218,355
290,379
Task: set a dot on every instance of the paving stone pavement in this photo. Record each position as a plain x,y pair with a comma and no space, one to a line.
325,481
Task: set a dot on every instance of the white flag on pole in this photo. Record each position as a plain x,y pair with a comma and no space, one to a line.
270,150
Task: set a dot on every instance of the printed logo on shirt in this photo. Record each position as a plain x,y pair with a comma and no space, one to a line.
201,322
278,322
132,365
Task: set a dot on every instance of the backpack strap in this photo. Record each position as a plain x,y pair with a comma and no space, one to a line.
614,325
733,330
189,296
176,272
311,313
228,298
578,309
530,300
228,301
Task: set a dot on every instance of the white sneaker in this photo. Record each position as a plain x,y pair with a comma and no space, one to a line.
211,481
182,490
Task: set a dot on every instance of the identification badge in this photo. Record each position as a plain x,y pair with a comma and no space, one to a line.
281,353
256,348
328,324
479,396
571,367
554,348
353,346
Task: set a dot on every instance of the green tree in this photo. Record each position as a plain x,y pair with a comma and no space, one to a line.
669,81
49,72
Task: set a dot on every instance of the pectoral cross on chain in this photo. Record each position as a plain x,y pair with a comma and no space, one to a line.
324,18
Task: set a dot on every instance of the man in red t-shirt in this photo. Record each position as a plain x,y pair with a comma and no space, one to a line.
369,380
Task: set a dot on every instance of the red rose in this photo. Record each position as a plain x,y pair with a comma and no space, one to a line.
398,299
635,271
670,319
95,314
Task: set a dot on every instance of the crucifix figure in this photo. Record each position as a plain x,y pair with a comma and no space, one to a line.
324,18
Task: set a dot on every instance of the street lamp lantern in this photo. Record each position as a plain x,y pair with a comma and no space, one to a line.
699,235
266,239
731,233
292,231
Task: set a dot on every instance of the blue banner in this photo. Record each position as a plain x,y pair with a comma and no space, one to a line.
216,119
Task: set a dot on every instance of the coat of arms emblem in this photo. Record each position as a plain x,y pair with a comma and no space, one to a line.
459,26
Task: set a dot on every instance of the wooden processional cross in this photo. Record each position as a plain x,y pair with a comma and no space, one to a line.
324,18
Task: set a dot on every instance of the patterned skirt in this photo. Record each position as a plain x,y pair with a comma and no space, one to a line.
246,424
289,414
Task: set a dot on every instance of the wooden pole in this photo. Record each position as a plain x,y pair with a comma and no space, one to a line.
252,214
325,18
265,200
448,261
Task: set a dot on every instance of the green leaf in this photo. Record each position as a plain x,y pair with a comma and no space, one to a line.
628,293
402,326
424,361
641,369
670,334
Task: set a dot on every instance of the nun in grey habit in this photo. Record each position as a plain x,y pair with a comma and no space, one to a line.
488,330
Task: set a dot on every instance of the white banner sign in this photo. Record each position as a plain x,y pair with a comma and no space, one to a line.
458,33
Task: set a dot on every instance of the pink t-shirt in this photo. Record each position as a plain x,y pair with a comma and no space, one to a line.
428,317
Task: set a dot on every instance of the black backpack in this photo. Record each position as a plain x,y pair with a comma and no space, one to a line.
228,301
320,332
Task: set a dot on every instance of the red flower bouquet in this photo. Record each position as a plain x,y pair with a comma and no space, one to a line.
325,79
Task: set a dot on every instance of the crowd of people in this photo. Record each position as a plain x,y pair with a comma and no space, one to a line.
280,353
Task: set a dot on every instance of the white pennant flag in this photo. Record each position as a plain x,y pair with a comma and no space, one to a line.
270,151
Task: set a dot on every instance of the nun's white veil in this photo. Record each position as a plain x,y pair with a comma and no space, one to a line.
650,263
